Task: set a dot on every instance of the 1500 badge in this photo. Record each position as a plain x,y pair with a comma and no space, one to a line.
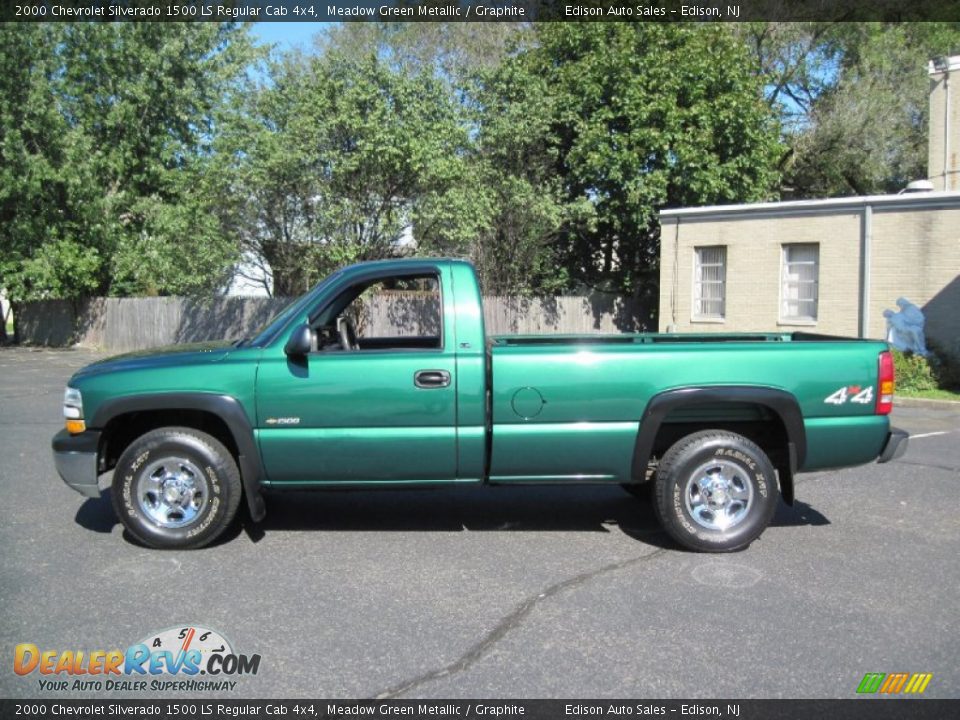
851,393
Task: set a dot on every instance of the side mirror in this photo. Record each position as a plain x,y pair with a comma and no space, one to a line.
300,343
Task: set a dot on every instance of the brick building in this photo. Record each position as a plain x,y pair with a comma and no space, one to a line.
828,266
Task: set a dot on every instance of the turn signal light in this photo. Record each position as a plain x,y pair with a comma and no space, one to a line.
885,384
75,427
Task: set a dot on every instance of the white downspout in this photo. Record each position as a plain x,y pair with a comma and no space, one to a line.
947,171
866,240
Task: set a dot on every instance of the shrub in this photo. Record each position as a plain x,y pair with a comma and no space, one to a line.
947,365
916,372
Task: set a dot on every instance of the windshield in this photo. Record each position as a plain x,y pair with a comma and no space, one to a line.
266,333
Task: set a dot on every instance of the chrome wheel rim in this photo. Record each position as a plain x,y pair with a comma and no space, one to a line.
172,492
718,495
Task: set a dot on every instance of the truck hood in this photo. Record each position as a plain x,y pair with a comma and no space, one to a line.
171,355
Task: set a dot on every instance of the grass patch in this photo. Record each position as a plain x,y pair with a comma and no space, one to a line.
933,394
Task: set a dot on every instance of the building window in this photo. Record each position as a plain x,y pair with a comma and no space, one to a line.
709,283
801,272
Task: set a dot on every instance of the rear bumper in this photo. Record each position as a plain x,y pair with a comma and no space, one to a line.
76,459
895,446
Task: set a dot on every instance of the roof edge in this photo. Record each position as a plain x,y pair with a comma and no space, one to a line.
801,206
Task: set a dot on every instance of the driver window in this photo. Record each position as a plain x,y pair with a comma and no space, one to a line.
402,313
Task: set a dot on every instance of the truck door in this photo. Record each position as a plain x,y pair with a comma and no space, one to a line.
376,399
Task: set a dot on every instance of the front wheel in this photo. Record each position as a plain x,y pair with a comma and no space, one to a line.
176,487
715,491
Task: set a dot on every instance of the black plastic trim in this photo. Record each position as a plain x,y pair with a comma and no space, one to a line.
226,408
787,473
86,442
895,446
779,401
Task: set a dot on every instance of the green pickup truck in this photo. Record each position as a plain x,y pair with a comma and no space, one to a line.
714,426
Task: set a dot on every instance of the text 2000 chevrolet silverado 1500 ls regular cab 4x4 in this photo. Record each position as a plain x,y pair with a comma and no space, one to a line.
716,426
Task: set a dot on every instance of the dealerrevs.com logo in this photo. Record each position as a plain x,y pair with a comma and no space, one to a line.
188,658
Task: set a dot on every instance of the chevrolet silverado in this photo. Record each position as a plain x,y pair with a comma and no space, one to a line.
714,426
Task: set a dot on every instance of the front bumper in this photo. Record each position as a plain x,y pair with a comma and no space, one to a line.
76,459
895,446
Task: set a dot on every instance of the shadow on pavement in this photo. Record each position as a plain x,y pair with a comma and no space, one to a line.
96,514
518,509
457,509
800,514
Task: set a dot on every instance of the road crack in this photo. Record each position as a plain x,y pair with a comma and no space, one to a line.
928,465
508,623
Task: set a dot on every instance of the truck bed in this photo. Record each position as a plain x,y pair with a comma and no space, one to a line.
577,401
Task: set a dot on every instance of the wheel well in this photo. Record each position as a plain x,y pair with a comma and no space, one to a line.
124,429
754,421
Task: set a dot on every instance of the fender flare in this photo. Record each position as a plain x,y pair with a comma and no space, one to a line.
780,402
225,407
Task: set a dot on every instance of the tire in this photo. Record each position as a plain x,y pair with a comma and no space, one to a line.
715,491
176,488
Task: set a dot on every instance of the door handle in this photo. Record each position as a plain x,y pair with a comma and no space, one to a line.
429,379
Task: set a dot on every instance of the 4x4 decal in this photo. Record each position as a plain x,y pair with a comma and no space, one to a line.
851,393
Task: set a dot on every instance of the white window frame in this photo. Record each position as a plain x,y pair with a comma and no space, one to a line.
696,309
789,280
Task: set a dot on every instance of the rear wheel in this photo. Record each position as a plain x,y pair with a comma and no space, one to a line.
176,488
715,491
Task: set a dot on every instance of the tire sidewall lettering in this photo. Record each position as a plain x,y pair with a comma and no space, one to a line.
127,495
208,518
737,455
680,510
141,459
213,478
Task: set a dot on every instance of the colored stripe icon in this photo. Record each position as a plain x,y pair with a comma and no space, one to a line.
894,683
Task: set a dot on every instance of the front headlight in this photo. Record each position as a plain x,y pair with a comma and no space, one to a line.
73,410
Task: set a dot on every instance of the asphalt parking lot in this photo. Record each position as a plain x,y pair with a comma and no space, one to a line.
520,592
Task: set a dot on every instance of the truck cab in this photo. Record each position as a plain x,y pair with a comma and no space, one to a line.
398,409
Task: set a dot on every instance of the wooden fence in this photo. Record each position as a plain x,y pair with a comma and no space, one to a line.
122,324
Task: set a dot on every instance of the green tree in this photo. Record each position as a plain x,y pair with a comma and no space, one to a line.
517,186
41,211
336,156
105,135
505,207
270,191
646,116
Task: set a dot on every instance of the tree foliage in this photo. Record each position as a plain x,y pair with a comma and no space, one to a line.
146,158
517,186
854,99
646,116
451,50
579,134
335,157
105,135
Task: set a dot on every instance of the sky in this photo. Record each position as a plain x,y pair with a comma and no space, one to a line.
287,34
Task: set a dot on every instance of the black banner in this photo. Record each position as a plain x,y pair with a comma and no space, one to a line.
854,709
475,10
